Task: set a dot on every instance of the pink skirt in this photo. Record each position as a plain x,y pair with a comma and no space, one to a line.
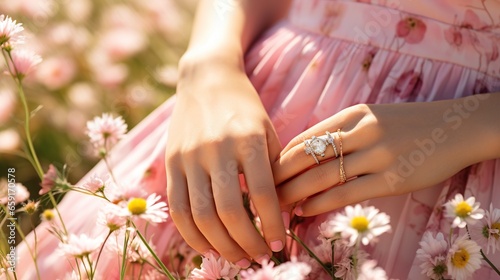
318,61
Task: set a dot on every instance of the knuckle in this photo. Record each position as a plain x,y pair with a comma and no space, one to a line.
204,219
230,212
179,211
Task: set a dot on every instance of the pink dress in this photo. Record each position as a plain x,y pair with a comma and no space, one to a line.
326,56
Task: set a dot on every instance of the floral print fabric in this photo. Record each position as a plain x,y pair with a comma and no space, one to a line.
326,56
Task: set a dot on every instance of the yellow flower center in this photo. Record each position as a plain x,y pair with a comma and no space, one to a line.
359,223
48,215
496,226
463,209
460,258
137,206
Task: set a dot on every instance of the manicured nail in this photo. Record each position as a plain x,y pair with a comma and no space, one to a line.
276,245
298,211
243,263
211,252
286,219
263,258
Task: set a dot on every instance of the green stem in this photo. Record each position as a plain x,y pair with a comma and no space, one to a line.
489,262
38,167
100,251
23,237
160,263
275,260
333,259
124,255
311,253
54,203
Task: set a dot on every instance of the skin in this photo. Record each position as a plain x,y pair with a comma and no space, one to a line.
389,149
231,135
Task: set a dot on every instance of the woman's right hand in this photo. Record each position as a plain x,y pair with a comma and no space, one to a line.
220,129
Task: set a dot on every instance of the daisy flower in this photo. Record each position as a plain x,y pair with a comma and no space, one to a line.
292,270
432,254
110,217
463,258
326,230
23,62
105,131
94,184
49,180
16,192
214,268
266,272
147,209
10,31
48,215
29,207
487,232
361,223
369,271
139,252
80,246
462,211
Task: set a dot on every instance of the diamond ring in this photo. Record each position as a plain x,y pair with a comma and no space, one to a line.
316,146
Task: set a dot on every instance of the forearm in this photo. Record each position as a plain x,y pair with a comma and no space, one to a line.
476,121
224,29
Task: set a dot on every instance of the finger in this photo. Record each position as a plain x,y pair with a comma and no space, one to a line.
180,210
322,177
230,209
295,160
206,218
353,191
259,178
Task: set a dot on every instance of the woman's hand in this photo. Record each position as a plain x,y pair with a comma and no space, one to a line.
220,129
388,150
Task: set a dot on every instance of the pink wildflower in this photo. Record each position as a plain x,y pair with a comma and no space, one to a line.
104,132
110,216
369,271
214,268
16,193
80,246
23,62
432,254
9,31
49,180
487,232
94,184
56,72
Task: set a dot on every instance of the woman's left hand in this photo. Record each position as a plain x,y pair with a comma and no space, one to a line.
387,150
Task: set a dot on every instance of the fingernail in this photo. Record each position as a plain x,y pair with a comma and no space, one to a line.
243,263
211,252
262,259
298,211
276,245
286,219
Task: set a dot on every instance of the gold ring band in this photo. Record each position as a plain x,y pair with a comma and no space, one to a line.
343,177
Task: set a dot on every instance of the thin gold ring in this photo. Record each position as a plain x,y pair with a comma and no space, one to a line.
343,177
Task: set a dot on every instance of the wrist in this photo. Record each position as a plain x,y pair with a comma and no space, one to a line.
476,121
